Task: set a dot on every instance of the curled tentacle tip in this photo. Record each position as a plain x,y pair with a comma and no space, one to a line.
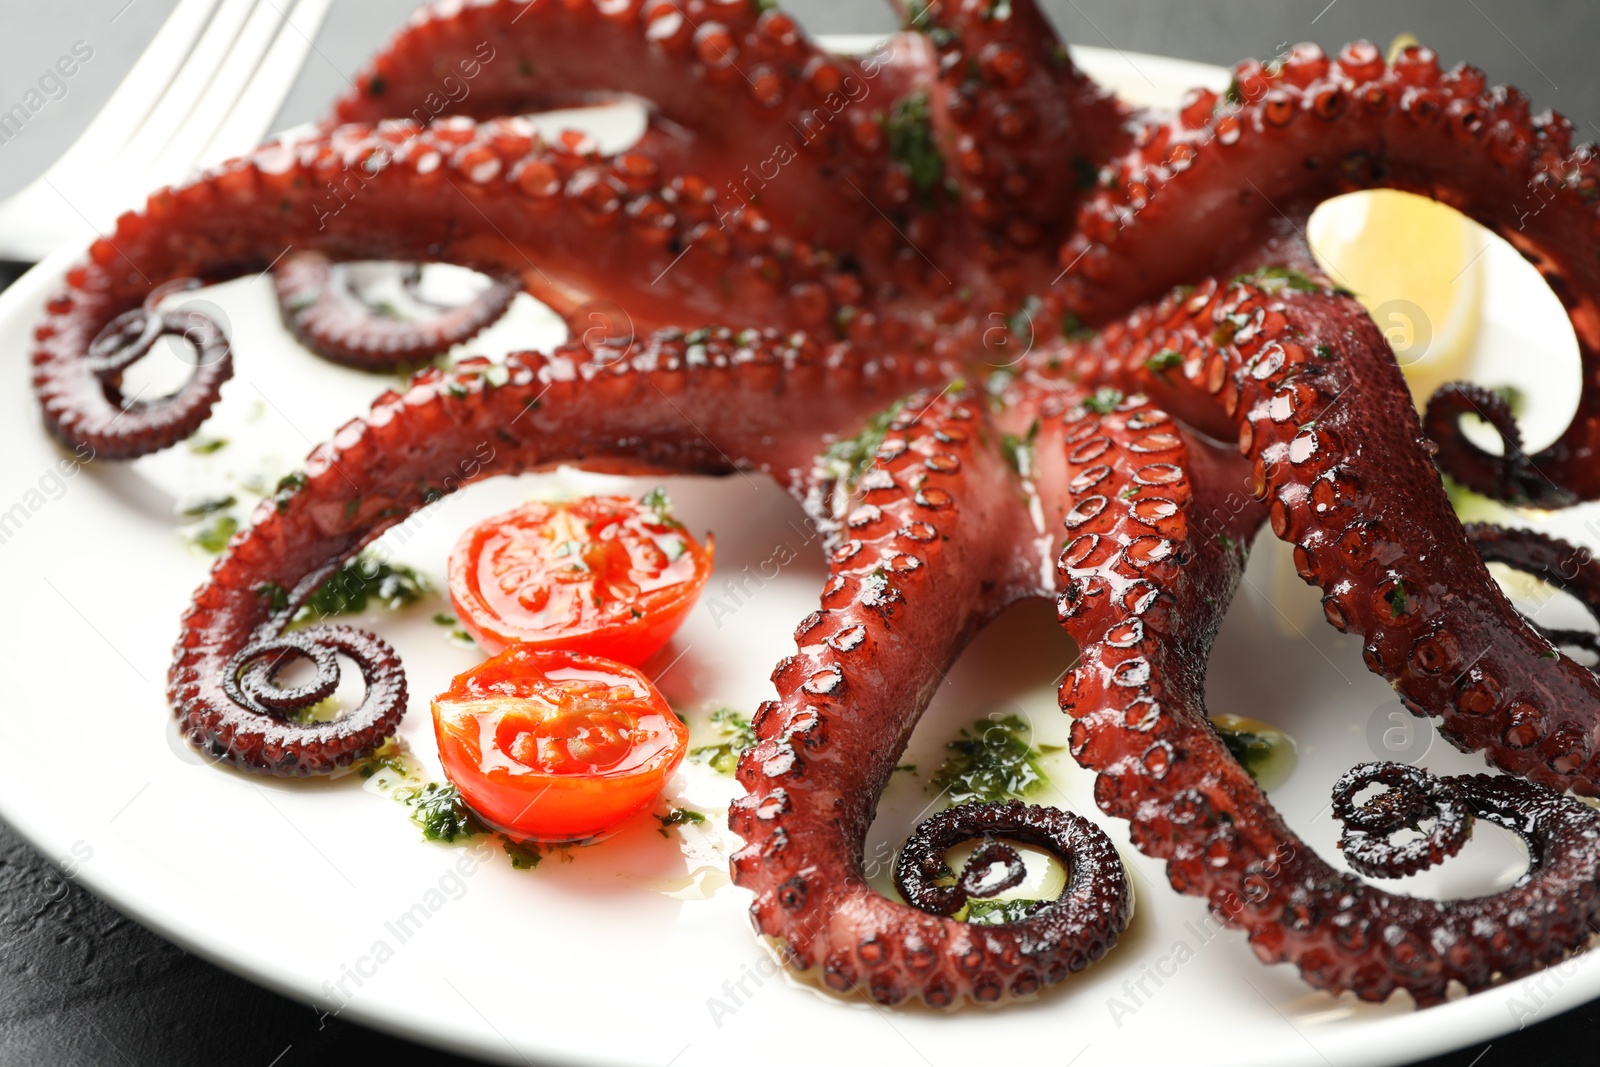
1413,796
1511,477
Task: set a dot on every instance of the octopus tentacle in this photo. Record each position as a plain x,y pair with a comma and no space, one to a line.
929,553
631,413
726,69
1097,885
592,224
1567,567
738,96
1323,416
1145,609
1294,134
322,310
1413,796
1510,476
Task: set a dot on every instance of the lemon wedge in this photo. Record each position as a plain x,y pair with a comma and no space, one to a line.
1417,267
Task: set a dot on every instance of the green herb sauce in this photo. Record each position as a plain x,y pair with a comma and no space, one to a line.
992,760
848,458
737,736
440,812
361,581
1266,752
679,817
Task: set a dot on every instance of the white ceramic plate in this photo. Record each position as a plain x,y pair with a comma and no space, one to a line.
638,951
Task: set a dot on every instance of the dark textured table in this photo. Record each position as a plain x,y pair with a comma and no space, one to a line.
81,984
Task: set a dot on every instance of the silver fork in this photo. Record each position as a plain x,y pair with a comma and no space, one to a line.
204,91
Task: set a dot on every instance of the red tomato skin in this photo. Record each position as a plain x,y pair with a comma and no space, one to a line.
631,641
527,804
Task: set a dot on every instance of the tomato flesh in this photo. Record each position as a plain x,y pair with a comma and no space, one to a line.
605,575
556,745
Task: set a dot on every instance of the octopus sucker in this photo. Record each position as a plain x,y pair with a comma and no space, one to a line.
1003,336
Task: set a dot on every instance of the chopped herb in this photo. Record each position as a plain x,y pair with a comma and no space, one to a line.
1273,279
1515,398
698,337
1087,172
524,857
992,761
287,487
737,736
848,458
995,912
206,505
362,580
386,757
1265,752
440,811
1397,600
1164,360
1234,95
1104,401
908,768
213,536
462,639
1018,451
1248,748
1324,351
660,506
205,446
441,619
1228,544
842,320
910,130
276,596
1020,324
1073,329
678,817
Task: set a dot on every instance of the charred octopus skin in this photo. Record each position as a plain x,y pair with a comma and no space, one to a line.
902,204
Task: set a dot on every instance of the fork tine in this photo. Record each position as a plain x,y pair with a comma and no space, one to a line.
177,158
184,93
252,116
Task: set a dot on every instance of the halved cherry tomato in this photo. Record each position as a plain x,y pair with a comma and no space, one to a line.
605,575
556,746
